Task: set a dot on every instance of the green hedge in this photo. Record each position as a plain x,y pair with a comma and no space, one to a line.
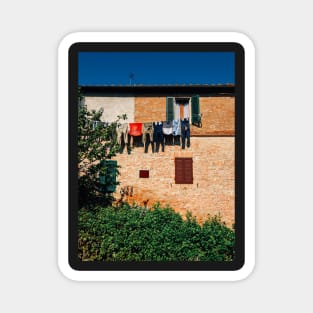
132,233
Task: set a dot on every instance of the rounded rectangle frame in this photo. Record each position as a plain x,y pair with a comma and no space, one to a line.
244,168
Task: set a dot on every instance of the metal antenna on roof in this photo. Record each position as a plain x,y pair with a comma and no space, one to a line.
131,77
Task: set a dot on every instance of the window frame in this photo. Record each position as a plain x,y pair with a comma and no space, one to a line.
176,114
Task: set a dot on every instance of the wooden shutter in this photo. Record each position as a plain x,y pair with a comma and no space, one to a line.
109,178
169,108
195,109
183,171
179,170
102,173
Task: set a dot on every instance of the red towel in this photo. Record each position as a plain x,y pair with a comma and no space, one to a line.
135,129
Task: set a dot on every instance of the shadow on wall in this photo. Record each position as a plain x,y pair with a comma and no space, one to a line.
127,195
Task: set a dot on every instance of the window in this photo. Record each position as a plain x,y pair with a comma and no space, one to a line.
183,107
143,173
177,108
183,171
109,177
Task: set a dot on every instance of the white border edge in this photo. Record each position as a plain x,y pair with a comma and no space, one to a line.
249,49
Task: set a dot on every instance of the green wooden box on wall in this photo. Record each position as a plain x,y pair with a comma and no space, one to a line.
109,178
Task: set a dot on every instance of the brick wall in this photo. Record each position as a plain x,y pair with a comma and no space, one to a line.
149,109
212,190
218,114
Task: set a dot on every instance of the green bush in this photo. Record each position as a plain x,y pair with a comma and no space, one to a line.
132,233
96,145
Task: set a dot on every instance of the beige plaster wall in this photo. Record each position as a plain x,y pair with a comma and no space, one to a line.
112,106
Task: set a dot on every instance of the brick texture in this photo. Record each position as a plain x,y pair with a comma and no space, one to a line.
149,109
218,114
212,191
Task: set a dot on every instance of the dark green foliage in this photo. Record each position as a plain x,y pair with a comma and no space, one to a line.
96,143
132,233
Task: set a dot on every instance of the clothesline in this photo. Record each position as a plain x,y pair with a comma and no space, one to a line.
155,132
139,124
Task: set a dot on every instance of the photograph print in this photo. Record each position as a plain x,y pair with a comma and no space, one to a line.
158,157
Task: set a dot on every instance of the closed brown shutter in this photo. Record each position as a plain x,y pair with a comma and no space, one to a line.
183,171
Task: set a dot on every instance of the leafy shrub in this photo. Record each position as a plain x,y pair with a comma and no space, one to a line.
95,144
133,233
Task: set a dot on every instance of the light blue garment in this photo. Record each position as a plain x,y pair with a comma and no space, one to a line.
176,128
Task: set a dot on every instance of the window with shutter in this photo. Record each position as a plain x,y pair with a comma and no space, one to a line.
109,179
183,171
179,108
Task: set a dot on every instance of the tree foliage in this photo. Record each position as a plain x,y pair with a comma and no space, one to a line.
96,142
133,233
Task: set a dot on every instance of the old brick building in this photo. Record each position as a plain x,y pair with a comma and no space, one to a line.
199,178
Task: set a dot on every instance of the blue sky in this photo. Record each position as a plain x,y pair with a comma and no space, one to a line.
150,68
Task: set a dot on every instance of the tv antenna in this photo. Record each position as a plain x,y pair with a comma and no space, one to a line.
131,78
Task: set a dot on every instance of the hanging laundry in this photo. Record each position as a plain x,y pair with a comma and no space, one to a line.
147,136
185,132
167,127
168,132
176,132
135,130
96,124
122,136
158,137
122,131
